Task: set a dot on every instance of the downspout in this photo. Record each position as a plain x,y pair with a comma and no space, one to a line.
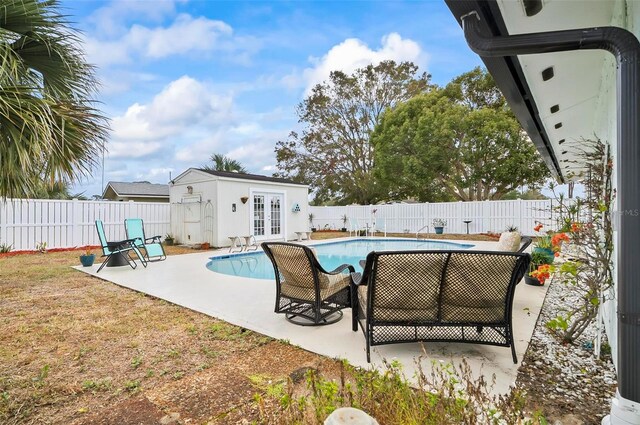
625,47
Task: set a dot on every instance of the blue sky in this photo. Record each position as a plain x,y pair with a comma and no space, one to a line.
184,79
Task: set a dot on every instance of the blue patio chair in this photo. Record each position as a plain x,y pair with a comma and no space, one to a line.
152,246
122,249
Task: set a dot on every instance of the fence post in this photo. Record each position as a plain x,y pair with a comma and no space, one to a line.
459,223
3,222
76,222
520,224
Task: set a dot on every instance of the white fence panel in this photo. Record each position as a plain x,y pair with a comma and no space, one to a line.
484,216
63,224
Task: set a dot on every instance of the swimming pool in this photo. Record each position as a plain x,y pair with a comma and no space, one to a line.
332,254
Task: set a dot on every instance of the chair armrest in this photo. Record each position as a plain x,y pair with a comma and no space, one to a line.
356,278
342,268
121,245
154,239
526,241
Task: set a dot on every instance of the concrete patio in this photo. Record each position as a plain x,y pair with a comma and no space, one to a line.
184,280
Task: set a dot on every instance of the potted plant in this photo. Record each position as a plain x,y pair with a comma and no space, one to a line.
439,225
169,239
538,269
311,217
510,239
344,219
87,258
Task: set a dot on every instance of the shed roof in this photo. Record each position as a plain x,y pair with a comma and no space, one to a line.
247,176
139,189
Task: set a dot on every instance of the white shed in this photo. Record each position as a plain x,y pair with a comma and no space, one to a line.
211,206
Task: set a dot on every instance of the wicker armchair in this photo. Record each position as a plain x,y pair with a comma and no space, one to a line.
305,292
443,296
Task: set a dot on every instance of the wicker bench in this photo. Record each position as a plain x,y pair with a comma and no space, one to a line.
439,296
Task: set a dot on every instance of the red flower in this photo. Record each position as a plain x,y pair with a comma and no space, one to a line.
538,227
556,254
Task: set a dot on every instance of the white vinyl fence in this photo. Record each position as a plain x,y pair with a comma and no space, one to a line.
63,224
485,216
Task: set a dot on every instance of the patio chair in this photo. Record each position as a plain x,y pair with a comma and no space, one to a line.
354,226
380,225
305,292
118,249
440,296
153,250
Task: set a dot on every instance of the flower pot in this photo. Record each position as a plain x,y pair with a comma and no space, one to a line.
529,280
168,242
545,251
344,229
439,230
314,229
87,260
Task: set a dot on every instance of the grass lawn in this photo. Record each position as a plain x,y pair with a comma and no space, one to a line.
76,349
72,345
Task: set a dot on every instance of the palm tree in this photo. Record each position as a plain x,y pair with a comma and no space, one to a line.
49,128
224,163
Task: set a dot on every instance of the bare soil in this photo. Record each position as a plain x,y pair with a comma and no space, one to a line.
78,350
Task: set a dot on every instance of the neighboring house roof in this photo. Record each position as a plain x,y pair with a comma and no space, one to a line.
551,110
138,189
244,176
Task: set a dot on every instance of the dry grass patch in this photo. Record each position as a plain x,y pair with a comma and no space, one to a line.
72,343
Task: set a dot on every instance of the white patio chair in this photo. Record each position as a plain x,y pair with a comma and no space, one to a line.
379,225
353,226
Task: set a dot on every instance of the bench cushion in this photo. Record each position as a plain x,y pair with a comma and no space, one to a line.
475,287
407,287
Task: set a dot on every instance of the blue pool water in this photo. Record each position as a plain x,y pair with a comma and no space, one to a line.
257,265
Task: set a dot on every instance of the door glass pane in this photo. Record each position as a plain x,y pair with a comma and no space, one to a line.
275,216
258,215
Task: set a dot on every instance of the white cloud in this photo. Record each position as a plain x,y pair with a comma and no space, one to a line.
184,36
113,18
352,54
184,107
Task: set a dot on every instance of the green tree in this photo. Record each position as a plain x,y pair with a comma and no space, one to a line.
223,163
49,128
461,142
333,154
56,190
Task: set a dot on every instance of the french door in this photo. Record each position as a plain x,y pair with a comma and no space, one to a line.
268,215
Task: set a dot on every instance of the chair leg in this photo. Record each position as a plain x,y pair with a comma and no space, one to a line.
513,350
131,261
104,263
355,308
140,256
368,350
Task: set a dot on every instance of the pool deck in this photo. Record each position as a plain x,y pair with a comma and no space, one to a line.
249,303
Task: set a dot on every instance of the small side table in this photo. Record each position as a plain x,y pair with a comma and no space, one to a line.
467,223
